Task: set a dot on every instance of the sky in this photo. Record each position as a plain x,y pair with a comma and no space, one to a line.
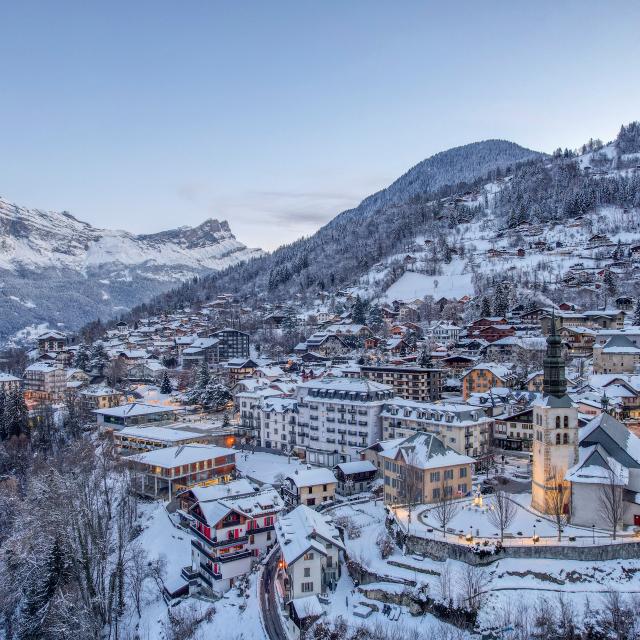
276,116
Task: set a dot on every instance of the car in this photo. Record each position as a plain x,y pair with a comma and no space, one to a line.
486,489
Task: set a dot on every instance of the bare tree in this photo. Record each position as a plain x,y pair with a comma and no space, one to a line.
411,484
501,512
445,507
611,501
473,582
556,500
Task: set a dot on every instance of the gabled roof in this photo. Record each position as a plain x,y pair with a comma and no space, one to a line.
304,529
614,436
426,451
597,467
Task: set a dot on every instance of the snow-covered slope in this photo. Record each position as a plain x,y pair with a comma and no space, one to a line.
59,270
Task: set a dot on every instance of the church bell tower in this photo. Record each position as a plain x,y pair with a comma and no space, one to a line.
555,425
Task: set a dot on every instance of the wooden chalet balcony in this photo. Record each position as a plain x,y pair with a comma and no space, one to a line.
219,543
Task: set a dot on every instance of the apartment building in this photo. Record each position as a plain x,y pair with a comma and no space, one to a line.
412,383
45,381
337,417
466,429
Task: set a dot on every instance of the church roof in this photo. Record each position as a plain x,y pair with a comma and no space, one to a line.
614,437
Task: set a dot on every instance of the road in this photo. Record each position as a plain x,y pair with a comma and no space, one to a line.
268,602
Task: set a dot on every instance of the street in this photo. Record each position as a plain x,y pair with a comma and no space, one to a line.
267,599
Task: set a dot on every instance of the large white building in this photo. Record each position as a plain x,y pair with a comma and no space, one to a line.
337,417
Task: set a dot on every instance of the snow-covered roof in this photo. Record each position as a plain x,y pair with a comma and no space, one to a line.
426,451
357,466
222,490
595,466
311,477
304,529
178,456
132,409
307,607
7,377
160,434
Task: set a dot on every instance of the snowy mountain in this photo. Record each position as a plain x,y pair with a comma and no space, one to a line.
58,270
349,245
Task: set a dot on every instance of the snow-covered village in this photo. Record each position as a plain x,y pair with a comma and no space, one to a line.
286,357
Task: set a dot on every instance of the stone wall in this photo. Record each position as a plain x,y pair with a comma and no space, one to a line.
441,550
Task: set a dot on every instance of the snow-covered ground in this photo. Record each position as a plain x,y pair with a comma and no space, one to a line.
506,579
236,616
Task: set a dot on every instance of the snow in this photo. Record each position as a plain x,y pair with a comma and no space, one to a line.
177,456
265,468
415,286
161,538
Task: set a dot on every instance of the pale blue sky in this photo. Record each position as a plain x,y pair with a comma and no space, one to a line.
147,115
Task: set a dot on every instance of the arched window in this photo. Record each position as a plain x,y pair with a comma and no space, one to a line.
557,422
557,438
566,422
565,439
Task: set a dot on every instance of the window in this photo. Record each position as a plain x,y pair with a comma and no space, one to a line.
557,422
566,422
448,474
435,494
565,439
307,587
463,472
308,556
434,476
307,572
558,437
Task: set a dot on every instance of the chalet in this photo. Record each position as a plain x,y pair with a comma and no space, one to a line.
201,350
231,532
514,432
311,487
51,342
438,468
310,546
9,383
99,397
354,477
146,371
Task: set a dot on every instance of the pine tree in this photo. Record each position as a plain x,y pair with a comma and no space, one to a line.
289,321
98,358
358,312
636,314
4,431
216,395
16,415
165,387
375,321
202,379
610,283
501,301
82,358
425,359
485,307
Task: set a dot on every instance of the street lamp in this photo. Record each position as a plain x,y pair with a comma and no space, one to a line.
536,537
593,533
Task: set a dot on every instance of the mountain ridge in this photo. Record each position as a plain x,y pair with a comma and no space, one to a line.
47,257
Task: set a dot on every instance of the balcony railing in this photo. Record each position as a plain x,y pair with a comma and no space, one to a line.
231,557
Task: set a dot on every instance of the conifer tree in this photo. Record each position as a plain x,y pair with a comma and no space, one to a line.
165,387
636,314
358,312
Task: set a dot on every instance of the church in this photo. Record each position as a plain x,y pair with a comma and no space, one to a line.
587,467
